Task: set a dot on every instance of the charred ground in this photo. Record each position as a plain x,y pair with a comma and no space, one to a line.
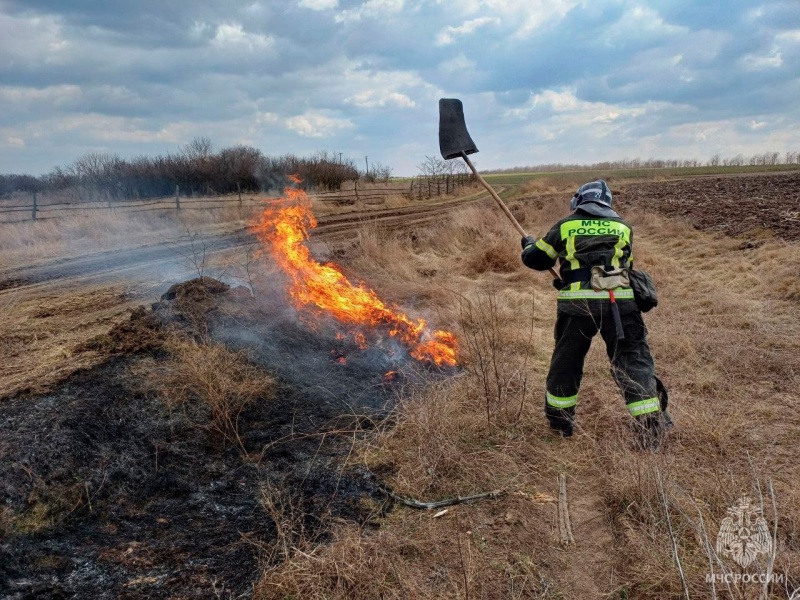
111,491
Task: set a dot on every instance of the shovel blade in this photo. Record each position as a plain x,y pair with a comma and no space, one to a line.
453,135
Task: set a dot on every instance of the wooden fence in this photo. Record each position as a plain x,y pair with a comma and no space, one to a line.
38,207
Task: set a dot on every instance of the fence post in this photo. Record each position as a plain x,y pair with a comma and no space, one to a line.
239,189
355,187
177,197
33,214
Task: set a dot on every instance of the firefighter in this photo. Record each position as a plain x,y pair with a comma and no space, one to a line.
594,247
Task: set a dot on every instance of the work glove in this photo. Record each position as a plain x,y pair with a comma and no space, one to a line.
527,241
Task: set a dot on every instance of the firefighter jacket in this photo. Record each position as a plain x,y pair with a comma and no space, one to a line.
579,242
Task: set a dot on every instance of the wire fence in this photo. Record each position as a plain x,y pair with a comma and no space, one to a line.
40,207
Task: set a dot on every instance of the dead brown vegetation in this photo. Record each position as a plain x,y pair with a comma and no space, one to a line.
46,336
725,337
85,232
223,382
645,524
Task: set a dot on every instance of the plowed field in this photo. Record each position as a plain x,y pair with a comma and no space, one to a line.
744,205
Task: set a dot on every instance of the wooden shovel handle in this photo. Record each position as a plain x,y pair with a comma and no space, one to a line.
500,203
497,199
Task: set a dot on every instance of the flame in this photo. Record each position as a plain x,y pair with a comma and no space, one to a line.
323,287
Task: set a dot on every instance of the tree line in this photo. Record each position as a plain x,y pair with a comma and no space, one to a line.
196,169
763,159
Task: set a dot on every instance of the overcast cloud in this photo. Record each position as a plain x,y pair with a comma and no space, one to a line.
541,80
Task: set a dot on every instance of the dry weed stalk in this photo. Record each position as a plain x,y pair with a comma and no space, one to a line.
196,255
492,358
289,518
665,505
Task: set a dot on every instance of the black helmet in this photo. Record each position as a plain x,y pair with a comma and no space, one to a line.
595,198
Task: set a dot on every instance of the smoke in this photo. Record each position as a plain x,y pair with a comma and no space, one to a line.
341,368
269,179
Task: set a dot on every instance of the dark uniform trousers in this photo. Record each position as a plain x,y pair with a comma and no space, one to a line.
631,363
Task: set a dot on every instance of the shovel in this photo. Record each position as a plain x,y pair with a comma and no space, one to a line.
454,142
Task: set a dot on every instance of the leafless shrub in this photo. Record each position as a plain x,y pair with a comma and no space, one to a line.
493,358
289,518
222,381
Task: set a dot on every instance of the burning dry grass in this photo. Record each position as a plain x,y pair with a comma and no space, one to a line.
323,287
726,343
48,331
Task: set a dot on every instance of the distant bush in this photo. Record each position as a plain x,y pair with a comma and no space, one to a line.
196,169
20,183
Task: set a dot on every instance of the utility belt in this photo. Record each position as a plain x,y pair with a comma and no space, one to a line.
623,294
601,280
607,283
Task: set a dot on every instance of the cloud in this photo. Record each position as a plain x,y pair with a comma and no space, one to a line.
373,99
319,4
449,34
558,113
364,76
373,89
317,125
267,117
758,63
232,35
371,9
51,95
528,16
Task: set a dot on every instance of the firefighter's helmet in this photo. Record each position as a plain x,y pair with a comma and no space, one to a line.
594,198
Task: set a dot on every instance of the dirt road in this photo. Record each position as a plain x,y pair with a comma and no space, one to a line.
128,264
50,309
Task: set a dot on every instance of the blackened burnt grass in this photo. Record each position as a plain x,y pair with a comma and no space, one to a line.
110,489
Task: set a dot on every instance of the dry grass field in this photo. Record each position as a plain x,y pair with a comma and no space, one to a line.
726,341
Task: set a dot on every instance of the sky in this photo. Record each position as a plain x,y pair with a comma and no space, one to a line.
542,81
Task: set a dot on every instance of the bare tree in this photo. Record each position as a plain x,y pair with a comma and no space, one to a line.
199,148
